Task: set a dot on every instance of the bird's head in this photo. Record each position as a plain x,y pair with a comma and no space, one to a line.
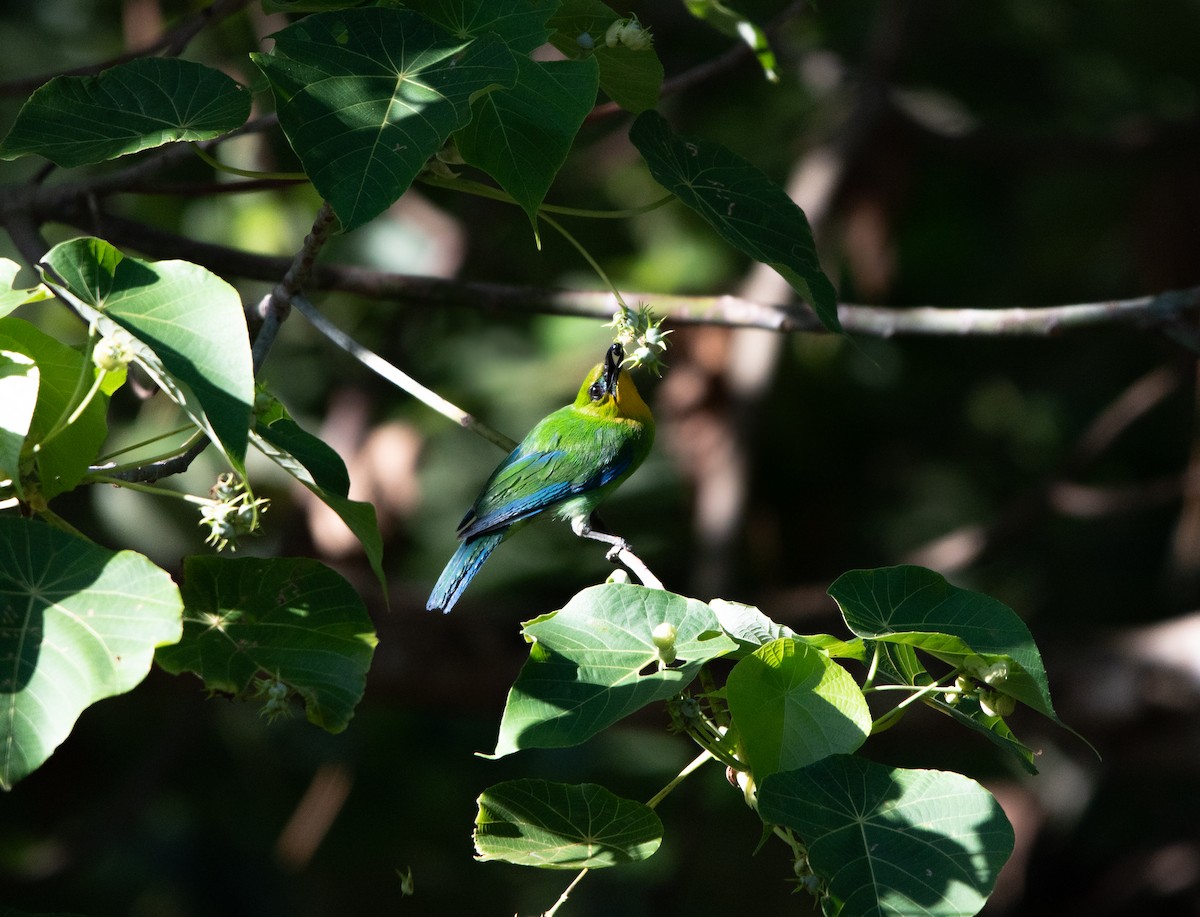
609,392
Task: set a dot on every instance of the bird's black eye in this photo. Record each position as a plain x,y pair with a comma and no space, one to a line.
596,392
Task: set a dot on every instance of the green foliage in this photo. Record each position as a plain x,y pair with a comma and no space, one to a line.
865,826
560,826
78,623
595,661
371,100
292,618
188,328
746,208
76,120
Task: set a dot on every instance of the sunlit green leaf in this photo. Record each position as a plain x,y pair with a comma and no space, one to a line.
285,618
563,826
915,606
143,103
747,209
188,324
889,842
78,623
793,705
18,397
11,296
366,96
64,374
595,662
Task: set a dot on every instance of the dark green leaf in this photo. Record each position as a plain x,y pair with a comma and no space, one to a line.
143,103
367,96
325,468
315,465
289,619
562,826
917,607
189,326
889,842
521,23
793,705
78,623
595,662
746,208
521,136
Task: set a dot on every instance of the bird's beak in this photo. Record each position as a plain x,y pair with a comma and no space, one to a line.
612,367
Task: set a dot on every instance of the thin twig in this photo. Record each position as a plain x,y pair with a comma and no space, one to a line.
397,376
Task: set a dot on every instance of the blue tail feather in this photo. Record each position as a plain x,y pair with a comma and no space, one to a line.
461,570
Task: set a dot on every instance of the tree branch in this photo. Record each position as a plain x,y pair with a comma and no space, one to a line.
1164,310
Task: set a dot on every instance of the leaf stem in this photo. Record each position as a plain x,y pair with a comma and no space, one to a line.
246,173
694,765
147,442
479,189
587,256
562,899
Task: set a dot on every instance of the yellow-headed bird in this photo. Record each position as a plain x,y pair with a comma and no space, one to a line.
568,463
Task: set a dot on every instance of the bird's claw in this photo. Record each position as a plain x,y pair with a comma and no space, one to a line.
615,551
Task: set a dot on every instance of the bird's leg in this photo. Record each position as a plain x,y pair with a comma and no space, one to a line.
586,527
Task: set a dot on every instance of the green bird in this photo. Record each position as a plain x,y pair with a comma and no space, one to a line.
568,463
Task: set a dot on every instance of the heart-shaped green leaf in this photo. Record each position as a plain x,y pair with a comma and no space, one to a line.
889,842
292,620
188,324
366,96
563,826
917,607
521,136
78,623
144,103
596,661
747,209
793,705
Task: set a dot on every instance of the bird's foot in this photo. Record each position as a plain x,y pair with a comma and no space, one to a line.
614,553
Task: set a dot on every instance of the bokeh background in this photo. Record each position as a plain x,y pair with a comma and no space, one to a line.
1001,154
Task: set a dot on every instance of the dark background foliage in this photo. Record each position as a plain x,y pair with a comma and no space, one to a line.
1013,153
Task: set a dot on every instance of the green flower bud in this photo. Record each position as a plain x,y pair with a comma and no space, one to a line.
993,703
663,637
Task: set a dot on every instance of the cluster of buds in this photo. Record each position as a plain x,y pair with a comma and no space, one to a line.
983,681
628,33
230,512
275,693
642,337
623,33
